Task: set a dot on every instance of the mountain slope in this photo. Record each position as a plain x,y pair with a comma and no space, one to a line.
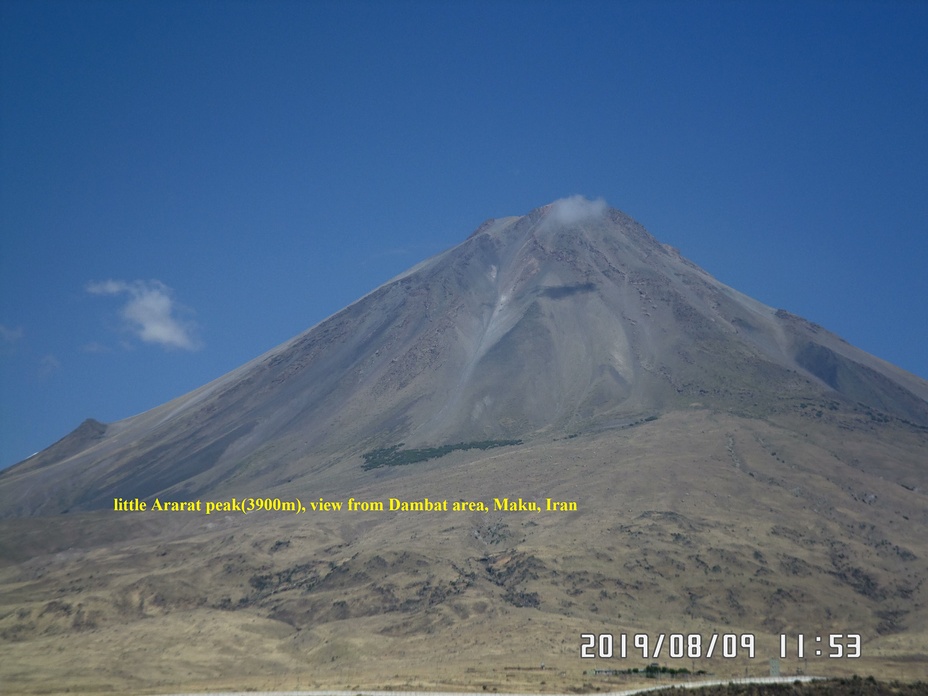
568,319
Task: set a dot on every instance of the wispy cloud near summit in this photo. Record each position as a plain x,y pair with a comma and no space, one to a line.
573,209
150,312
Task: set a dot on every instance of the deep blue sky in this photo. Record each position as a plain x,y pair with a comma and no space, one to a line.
187,184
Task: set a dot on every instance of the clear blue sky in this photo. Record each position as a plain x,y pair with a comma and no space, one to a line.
187,184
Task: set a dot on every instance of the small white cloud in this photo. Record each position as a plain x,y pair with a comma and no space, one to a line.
111,287
150,312
568,211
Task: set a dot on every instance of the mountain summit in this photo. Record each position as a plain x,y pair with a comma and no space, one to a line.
569,319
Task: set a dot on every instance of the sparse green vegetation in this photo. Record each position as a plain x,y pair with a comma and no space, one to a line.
855,686
651,671
394,456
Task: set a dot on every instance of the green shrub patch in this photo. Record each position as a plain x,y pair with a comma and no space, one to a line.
394,456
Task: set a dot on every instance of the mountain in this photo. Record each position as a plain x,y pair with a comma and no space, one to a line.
569,319
714,465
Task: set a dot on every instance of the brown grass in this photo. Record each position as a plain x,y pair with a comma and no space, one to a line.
696,523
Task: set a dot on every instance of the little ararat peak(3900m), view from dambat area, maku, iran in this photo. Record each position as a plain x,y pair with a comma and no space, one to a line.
567,320
557,427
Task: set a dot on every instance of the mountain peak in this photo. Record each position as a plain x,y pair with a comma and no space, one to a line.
559,214
574,209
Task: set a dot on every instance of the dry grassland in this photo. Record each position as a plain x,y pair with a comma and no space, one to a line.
696,523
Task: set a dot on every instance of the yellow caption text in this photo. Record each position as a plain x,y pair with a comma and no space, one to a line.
248,505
